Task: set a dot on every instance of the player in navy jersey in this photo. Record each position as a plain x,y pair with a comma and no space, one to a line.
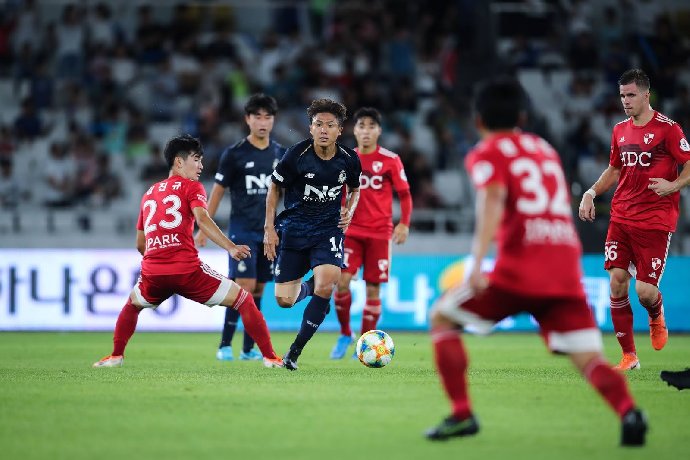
309,233
245,170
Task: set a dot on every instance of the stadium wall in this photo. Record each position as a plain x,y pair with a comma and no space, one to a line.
84,290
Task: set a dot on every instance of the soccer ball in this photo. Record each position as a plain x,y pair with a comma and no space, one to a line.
375,348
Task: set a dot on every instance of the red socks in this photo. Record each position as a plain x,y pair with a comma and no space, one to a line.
343,302
610,384
655,310
254,323
124,327
622,317
371,315
451,364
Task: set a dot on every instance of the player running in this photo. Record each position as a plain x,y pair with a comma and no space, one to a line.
245,169
171,263
368,238
315,173
522,201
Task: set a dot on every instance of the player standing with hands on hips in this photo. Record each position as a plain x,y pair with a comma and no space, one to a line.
522,201
368,238
314,173
646,151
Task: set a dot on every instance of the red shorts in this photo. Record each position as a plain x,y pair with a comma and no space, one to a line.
204,285
566,323
374,253
640,252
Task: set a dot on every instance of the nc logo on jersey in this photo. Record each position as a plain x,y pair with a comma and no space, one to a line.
254,183
377,166
684,145
341,177
648,137
656,263
312,193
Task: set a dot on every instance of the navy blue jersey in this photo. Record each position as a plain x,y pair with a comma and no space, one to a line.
246,170
313,192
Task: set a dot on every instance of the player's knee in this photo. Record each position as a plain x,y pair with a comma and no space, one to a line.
437,319
285,302
647,294
619,285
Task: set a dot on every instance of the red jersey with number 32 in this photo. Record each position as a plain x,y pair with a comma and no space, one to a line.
382,172
538,250
167,221
656,149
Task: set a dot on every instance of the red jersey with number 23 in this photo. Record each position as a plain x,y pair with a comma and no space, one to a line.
166,218
382,172
538,250
656,149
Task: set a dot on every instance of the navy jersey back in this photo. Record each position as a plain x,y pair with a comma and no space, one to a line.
313,192
246,171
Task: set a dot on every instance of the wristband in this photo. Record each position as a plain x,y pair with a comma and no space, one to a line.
591,193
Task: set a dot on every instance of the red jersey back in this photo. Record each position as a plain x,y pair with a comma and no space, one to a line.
538,251
382,172
166,218
656,149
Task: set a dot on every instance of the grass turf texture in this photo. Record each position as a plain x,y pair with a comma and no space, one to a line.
172,400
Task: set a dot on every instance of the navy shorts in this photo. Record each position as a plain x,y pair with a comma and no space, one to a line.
293,264
255,267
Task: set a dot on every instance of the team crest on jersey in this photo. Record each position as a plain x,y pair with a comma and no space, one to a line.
684,145
377,166
656,263
648,137
341,177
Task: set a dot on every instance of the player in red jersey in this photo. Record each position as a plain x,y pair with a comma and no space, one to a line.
523,201
171,263
646,151
368,239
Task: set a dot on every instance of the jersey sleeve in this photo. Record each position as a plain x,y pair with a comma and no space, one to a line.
398,176
615,153
678,144
286,169
485,168
140,221
196,195
225,169
355,170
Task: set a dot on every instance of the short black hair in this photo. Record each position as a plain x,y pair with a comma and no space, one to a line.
327,106
181,146
367,112
499,102
261,101
636,76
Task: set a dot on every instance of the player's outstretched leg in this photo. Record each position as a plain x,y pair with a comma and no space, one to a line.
314,314
224,352
255,325
622,317
343,303
678,379
451,364
249,353
124,329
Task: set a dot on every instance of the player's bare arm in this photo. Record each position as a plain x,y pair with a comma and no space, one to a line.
209,227
141,242
607,180
270,235
348,210
662,187
217,193
489,206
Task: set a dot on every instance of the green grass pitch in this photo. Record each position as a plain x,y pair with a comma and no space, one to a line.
173,400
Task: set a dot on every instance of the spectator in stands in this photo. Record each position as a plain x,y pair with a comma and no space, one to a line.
28,124
58,176
108,183
6,143
70,35
156,169
11,189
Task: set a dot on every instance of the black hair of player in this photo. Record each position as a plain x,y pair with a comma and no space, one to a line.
327,106
636,76
500,102
261,101
367,112
182,146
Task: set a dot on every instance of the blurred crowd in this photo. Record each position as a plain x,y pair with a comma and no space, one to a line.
90,90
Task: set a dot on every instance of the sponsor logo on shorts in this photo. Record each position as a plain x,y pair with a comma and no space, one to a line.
652,275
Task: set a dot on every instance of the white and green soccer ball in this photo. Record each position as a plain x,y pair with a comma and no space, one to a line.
375,348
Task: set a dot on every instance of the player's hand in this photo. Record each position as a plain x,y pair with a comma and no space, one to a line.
200,239
345,219
271,241
478,280
240,251
661,186
400,233
586,210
